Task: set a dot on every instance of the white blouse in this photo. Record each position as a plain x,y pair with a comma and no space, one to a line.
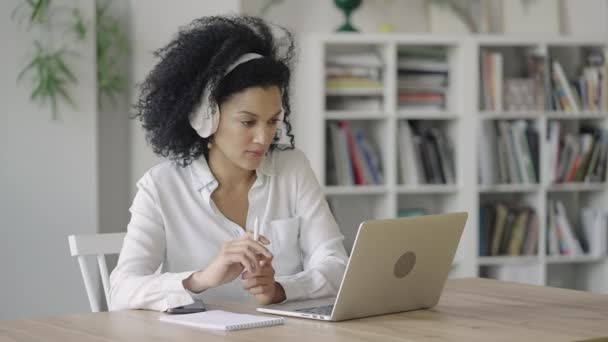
176,229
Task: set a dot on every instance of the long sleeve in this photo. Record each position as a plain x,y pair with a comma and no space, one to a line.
323,255
135,283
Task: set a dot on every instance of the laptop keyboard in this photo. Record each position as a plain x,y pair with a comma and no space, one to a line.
319,310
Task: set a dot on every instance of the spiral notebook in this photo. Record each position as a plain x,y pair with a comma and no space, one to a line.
223,320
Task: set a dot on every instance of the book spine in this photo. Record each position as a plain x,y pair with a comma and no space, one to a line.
354,157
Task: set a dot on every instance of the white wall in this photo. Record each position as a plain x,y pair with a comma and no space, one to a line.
154,23
48,181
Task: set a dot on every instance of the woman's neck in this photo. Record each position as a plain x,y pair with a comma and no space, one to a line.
229,175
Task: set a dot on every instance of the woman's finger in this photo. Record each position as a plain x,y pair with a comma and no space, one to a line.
261,238
264,240
243,259
260,289
255,246
244,249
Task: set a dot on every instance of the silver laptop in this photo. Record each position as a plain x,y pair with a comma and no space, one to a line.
395,265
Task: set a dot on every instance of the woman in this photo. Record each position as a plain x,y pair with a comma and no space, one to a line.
217,105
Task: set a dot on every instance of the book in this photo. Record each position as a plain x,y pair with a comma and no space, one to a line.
501,213
370,160
560,77
553,155
518,234
533,145
445,160
503,160
222,320
594,223
488,156
530,246
410,165
353,103
520,149
552,240
509,145
423,157
355,157
573,246
363,59
422,64
487,215
343,166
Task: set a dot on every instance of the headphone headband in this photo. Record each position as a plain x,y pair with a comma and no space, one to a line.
205,119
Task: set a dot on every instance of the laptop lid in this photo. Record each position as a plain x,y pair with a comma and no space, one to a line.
398,265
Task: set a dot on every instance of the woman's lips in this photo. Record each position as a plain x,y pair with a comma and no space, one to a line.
256,154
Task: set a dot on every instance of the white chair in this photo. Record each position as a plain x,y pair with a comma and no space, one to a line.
99,245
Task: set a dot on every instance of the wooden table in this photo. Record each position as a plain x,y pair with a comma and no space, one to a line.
469,310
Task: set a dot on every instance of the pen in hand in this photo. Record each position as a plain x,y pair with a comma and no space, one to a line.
256,236
256,229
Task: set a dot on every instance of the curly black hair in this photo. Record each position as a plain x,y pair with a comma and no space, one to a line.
198,57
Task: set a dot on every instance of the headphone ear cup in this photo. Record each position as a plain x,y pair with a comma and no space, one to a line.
205,124
215,120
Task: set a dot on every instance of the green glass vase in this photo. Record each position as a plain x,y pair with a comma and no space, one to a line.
347,6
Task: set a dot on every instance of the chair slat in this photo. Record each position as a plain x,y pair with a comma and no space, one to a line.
98,245
88,284
105,279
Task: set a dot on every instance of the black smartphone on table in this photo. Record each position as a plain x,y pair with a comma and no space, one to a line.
197,306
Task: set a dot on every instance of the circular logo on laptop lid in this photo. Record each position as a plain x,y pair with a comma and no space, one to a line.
404,264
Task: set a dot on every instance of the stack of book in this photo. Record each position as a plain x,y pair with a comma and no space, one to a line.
563,239
576,158
588,92
422,78
352,158
509,154
523,92
354,81
425,156
507,230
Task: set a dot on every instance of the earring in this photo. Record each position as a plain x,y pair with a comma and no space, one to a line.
209,145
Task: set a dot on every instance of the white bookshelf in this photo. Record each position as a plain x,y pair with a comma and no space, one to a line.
460,121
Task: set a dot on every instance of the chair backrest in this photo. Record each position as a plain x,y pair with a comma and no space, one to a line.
99,245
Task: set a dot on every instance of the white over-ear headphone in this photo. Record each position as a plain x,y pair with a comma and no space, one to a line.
205,119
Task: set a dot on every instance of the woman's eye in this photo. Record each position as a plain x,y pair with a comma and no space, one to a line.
248,123
274,121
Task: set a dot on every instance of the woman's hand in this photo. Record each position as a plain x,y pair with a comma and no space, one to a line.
262,285
234,257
